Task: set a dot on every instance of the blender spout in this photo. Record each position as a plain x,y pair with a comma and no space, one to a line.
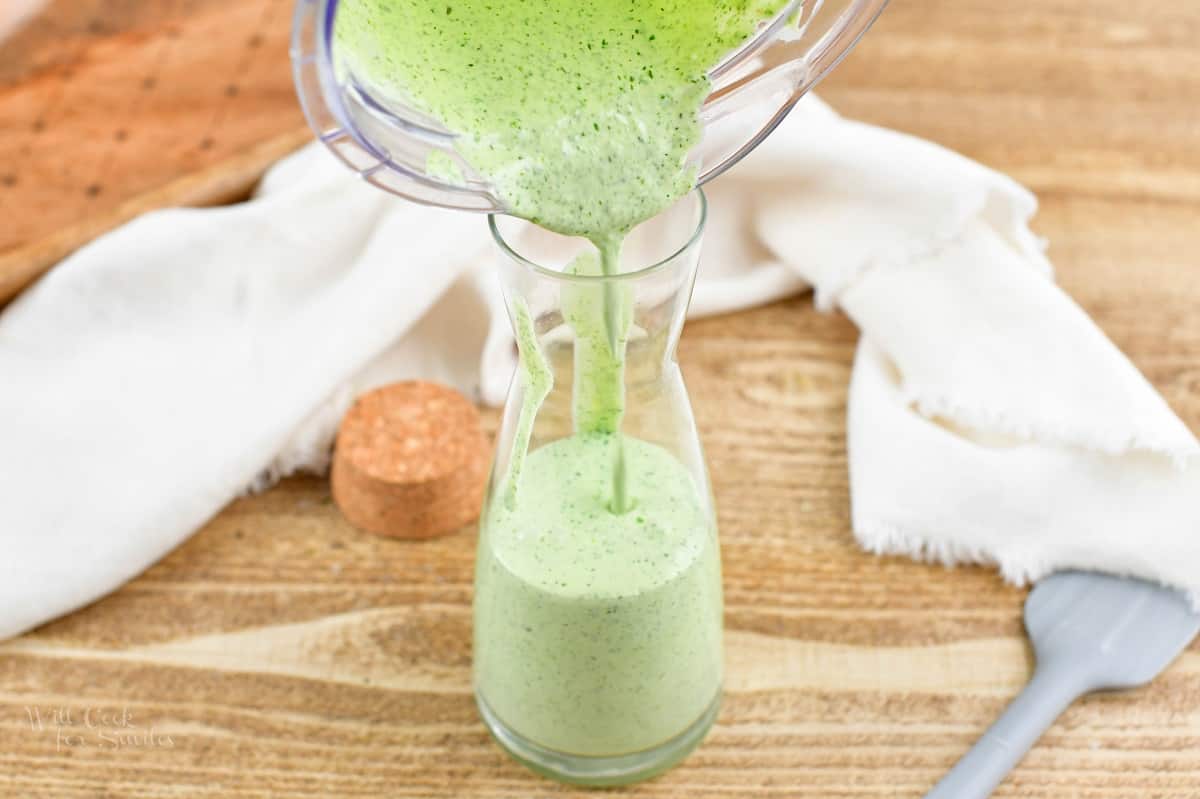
752,94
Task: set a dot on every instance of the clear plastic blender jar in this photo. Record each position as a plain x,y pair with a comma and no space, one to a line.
390,143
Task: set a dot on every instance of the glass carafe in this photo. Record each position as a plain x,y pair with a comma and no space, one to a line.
598,609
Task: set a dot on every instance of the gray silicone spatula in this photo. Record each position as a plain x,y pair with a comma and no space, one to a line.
1091,632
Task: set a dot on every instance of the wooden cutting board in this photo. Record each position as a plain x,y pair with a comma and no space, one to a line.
109,108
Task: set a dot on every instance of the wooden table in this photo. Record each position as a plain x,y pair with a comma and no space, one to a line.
281,653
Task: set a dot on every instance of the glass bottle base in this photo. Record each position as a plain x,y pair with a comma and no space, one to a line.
599,771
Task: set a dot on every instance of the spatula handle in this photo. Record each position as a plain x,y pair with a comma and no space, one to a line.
1012,735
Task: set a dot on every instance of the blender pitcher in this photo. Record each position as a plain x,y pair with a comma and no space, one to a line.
406,152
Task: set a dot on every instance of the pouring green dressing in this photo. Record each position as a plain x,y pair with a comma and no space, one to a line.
598,610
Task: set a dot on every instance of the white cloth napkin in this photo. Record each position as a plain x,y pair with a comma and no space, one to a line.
160,371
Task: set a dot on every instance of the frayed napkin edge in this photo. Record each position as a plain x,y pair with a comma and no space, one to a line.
884,539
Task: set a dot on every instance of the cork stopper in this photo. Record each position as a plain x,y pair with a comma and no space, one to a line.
411,461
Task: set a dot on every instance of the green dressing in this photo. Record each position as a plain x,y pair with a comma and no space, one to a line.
598,606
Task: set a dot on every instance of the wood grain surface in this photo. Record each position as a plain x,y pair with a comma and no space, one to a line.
281,653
